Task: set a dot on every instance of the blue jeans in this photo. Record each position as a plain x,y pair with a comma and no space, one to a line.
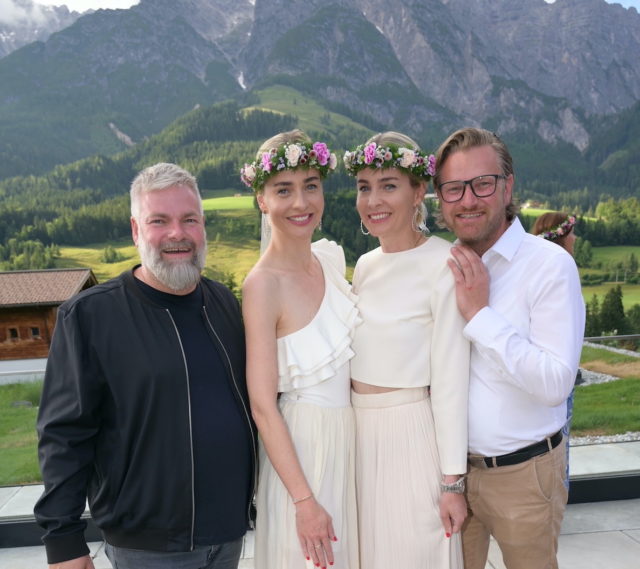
224,556
566,430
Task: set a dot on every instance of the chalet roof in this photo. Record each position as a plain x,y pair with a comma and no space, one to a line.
49,286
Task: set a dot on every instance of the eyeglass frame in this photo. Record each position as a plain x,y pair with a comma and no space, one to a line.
469,183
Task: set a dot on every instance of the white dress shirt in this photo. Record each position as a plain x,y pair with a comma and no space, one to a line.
525,345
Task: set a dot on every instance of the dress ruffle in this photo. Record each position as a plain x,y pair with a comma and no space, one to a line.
314,353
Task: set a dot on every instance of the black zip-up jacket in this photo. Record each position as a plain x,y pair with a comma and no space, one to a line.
114,419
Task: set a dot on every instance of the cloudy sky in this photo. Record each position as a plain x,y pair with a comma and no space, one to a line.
81,5
9,10
625,3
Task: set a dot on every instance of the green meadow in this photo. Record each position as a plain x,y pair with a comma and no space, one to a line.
615,254
230,252
630,292
236,253
312,117
226,200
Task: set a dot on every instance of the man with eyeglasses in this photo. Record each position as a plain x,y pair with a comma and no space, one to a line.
525,315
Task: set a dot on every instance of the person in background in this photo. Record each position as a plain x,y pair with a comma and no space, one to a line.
299,315
522,302
145,410
558,228
411,368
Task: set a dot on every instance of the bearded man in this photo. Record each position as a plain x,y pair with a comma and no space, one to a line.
144,410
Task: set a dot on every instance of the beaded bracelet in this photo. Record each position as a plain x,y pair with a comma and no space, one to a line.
298,500
456,487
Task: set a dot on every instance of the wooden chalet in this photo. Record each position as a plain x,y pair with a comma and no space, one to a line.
29,303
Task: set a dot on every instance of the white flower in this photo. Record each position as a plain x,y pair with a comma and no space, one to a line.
292,154
407,157
250,172
333,161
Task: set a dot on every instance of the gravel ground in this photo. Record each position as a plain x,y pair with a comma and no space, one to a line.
627,437
612,349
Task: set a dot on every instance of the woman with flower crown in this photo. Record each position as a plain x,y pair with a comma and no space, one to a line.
411,369
557,227
299,315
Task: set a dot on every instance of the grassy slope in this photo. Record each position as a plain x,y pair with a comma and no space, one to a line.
18,434
312,117
608,408
224,256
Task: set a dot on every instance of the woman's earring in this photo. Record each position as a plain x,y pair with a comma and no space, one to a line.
319,226
415,220
419,220
362,229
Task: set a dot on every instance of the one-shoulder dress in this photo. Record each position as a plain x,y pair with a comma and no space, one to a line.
314,386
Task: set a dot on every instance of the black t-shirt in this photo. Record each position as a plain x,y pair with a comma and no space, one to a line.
221,444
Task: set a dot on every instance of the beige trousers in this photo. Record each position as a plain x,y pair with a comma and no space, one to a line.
521,506
398,484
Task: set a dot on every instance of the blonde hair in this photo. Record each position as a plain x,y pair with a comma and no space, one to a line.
471,137
295,136
399,139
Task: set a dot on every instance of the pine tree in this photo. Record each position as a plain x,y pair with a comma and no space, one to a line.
612,318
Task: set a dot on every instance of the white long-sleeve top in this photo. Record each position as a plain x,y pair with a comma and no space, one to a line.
525,345
411,336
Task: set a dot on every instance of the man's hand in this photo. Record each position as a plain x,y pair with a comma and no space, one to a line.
77,563
472,281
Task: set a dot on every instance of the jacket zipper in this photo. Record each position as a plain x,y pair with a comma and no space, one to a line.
246,413
186,371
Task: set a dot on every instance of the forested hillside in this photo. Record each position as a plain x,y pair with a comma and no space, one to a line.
86,201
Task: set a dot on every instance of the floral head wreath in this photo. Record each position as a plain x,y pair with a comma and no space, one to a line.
563,229
289,156
390,156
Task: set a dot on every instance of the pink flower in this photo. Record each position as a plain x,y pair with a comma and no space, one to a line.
266,161
431,167
322,152
369,153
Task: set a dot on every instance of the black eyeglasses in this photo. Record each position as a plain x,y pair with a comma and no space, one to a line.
481,186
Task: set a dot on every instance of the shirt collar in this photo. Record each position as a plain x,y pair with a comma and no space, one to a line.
508,243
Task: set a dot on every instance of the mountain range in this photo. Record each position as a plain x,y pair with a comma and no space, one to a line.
24,21
562,76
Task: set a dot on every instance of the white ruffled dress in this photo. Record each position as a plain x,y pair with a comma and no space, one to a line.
314,382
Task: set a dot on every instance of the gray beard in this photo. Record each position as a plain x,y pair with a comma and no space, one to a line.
177,276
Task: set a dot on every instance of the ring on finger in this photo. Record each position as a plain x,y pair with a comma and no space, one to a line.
318,546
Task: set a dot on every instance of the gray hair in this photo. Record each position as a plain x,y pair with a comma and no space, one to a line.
161,176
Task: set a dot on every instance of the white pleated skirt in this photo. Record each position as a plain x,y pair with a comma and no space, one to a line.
398,484
324,438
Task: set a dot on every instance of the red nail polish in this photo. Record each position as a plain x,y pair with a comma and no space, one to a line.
330,562
335,538
447,534
308,558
